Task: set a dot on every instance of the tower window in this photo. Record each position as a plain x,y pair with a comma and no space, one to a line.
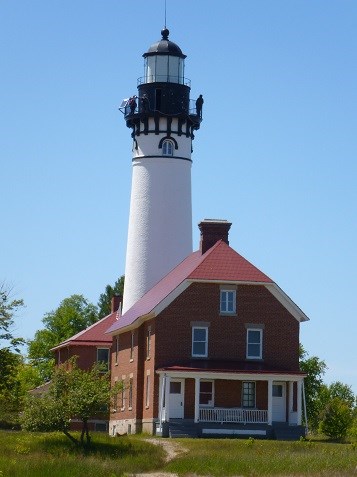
167,148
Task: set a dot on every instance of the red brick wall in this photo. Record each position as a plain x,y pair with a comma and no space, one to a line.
227,334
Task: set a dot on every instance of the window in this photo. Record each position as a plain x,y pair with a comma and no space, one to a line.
115,398
116,349
248,394
103,358
148,342
254,343
147,400
123,399
167,148
206,393
130,404
199,342
277,390
228,301
132,346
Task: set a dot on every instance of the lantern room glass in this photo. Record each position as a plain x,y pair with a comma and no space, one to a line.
164,69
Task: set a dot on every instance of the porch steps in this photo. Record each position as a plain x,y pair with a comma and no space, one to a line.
284,432
184,429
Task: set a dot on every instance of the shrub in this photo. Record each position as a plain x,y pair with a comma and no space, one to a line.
336,419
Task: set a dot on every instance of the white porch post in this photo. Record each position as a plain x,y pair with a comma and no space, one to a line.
270,402
167,398
291,401
161,400
299,402
197,399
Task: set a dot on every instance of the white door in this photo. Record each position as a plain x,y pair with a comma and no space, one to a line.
176,406
279,402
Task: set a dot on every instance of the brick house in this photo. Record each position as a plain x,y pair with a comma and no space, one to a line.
90,346
211,349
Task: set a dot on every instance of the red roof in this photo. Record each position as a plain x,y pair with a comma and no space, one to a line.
93,335
220,262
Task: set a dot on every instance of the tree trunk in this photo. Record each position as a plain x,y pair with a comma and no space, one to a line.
70,437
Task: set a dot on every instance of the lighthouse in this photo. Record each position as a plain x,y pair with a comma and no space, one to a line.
162,118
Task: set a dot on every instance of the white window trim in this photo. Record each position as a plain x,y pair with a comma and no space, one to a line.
228,312
255,395
148,343
206,342
108,362
211,404
260,343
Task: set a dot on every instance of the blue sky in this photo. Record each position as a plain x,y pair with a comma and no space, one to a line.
276,153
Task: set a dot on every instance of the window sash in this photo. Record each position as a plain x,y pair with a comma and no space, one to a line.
248,394
103,357
206,393
199,341
228,301
254,343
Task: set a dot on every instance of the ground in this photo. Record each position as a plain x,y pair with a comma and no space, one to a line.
172,449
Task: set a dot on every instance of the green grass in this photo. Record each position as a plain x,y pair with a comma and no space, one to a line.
53,455
238,457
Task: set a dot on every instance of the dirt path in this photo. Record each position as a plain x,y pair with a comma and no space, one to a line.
172,450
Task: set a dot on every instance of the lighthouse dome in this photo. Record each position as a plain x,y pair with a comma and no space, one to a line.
164,47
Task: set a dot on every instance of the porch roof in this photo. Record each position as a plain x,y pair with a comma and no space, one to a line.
230,367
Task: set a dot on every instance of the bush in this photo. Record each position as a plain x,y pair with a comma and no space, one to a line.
336,419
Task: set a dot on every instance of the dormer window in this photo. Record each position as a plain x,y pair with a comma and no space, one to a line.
167,148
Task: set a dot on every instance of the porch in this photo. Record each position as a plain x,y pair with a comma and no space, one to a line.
208,403
181,428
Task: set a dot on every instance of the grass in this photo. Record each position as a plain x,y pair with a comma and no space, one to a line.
52,455
232,457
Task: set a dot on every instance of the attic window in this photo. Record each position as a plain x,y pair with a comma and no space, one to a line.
228,301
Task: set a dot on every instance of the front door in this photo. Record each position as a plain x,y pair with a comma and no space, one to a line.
279,402
176,398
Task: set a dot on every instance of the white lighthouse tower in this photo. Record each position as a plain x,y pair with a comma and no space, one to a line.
162,120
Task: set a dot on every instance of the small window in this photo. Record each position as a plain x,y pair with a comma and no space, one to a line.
199,342
123,399
132,346
206,393
130,403
277,390
248,394
175,387
116,349
100,426
148,342
167,148
254,343
147,401
228,301
103,358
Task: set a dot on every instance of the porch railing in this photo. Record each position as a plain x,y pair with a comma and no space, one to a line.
218,414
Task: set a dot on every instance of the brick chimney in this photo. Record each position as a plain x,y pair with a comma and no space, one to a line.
116,302
213,230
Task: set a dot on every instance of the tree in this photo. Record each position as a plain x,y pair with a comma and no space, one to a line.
8,307
17,378
340,390
336,419
73,315
73,393
104,302
315,369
